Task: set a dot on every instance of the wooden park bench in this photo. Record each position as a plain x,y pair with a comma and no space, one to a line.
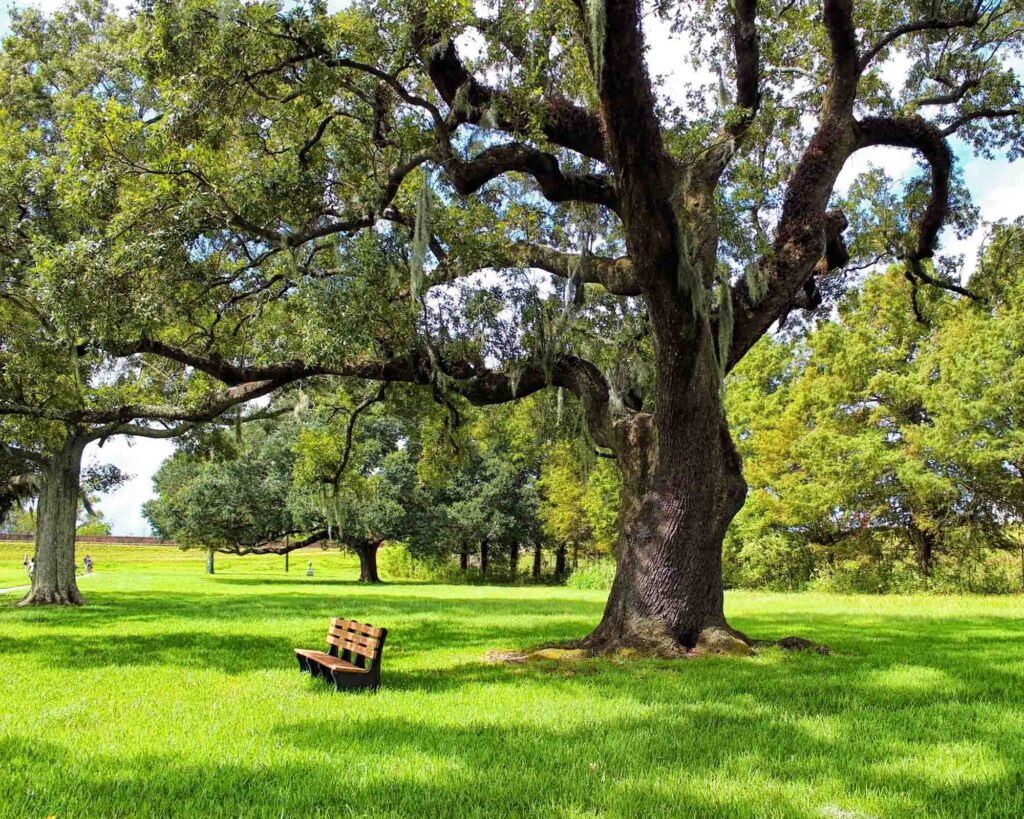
352,659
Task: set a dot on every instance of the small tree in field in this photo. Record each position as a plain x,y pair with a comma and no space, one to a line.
46,425
343,180
337,475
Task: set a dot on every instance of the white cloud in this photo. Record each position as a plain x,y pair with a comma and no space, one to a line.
899,163
996,186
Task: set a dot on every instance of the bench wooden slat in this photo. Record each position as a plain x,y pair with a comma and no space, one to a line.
351,626
343,665
355,637
313,654
347,641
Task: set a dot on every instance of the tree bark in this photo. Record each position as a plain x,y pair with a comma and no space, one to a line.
464,560
483,557
53,580
560,562
924,549
682,485
536,560
209,560
513,562
367,552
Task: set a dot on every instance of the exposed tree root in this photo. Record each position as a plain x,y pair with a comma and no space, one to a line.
722,640
52,598
794,644
656,642
649,638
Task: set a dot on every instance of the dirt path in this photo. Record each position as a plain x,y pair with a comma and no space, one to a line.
26,586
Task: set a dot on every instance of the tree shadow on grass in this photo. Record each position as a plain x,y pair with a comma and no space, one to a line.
713,761
972,657
309,582
243,633
394,768
901,698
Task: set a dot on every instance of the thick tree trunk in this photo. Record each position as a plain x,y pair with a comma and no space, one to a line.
464,561
53,579
209,560
483,557
367,552
536,560
682,485
513,562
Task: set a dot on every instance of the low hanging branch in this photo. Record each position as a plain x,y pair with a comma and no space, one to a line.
376,398
924,137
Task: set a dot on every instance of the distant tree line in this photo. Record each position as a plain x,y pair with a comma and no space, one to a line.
355,472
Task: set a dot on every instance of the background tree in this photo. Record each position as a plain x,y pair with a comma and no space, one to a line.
333,172
882,439
60,292
578,507
359,475
233,497
335,472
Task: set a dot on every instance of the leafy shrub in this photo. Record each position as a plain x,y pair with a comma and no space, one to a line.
766,560
864,574
991,573
988,573
395,562
594,575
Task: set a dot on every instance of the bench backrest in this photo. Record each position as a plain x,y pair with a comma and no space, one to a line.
354,640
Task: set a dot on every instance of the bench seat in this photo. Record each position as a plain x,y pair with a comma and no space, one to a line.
327,661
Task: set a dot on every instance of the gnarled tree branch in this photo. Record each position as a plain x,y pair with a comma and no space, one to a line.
473,381
563,122
468,176
929,141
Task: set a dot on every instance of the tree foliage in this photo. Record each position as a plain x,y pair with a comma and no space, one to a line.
398,191
888,446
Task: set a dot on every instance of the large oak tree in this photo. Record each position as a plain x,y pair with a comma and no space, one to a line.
327,172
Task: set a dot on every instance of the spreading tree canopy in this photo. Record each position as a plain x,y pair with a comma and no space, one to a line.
377,193
60,296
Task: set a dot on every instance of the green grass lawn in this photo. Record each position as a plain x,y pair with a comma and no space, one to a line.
175,694
108,559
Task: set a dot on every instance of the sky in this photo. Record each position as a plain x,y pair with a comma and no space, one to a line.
996,186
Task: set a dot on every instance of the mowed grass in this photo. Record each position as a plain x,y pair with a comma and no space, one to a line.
176,694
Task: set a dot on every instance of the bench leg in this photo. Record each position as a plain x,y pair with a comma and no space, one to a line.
303,663
344,681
